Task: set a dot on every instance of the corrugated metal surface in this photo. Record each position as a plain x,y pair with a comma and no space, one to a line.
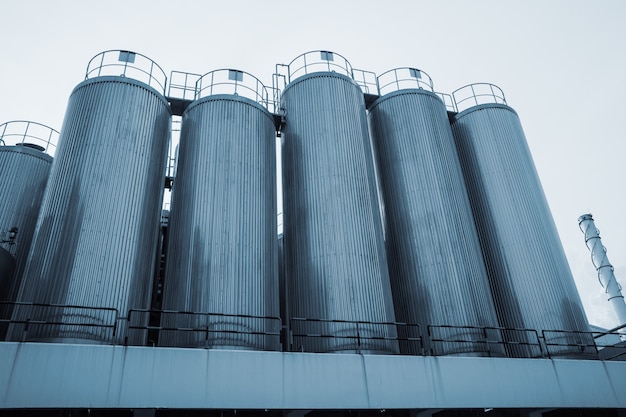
23,176
335,263
530,277
96,237
435,262
223,251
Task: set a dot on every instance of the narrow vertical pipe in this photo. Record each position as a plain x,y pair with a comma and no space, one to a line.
605,270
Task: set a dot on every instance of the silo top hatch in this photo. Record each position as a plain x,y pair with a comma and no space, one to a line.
129,64
30,135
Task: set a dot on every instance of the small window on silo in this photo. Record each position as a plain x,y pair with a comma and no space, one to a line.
326,56
415,73
235,75
127,56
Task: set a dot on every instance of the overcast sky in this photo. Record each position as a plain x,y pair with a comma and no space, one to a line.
560,63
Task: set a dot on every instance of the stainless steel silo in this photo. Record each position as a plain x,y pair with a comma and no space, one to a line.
335,264
438,277
221,281
530,277
25,159
93,252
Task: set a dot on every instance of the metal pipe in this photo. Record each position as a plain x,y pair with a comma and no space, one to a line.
605,270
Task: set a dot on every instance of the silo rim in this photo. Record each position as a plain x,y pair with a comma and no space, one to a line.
123,80
320,74
28,151
229,97
482,107
407,91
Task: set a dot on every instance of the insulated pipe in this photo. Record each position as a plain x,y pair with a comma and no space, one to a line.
605,270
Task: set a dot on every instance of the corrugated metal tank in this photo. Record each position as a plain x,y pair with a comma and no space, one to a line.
96,237
222,254
530,277
335,262
7,267
435,262
23,176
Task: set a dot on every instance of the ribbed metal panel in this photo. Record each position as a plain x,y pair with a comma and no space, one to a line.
335,263
96,237
23,176
223,251
436,268
530,277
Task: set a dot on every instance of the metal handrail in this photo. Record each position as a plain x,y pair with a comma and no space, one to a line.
403,78
236,82
203,328
318,61
367,80
187,85
581,345
448,100
500,330
614,330
479,93
358,337
23,316
17,132
145,70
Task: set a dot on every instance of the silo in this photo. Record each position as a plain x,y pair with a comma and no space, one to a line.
25,159
93,252
530,278
221,281
438,277
335,262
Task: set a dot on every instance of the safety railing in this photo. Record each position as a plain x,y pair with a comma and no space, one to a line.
611,344
24,321
39,321
129,64
448,101
235,82
570,343
404,78
318,61
30,134
474,94
493,341
319,335
206,330
182,85
367,80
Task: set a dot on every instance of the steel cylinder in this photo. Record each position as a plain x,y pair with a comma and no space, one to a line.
24,173
221,281
438,277
335,262
530,278
93,252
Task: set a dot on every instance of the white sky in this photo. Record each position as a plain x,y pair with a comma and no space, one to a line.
561,64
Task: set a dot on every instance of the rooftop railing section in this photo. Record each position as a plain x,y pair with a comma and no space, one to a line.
129,64
318,61
402,79
233,82
29,134
367,80
29,321
475,94
182,85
